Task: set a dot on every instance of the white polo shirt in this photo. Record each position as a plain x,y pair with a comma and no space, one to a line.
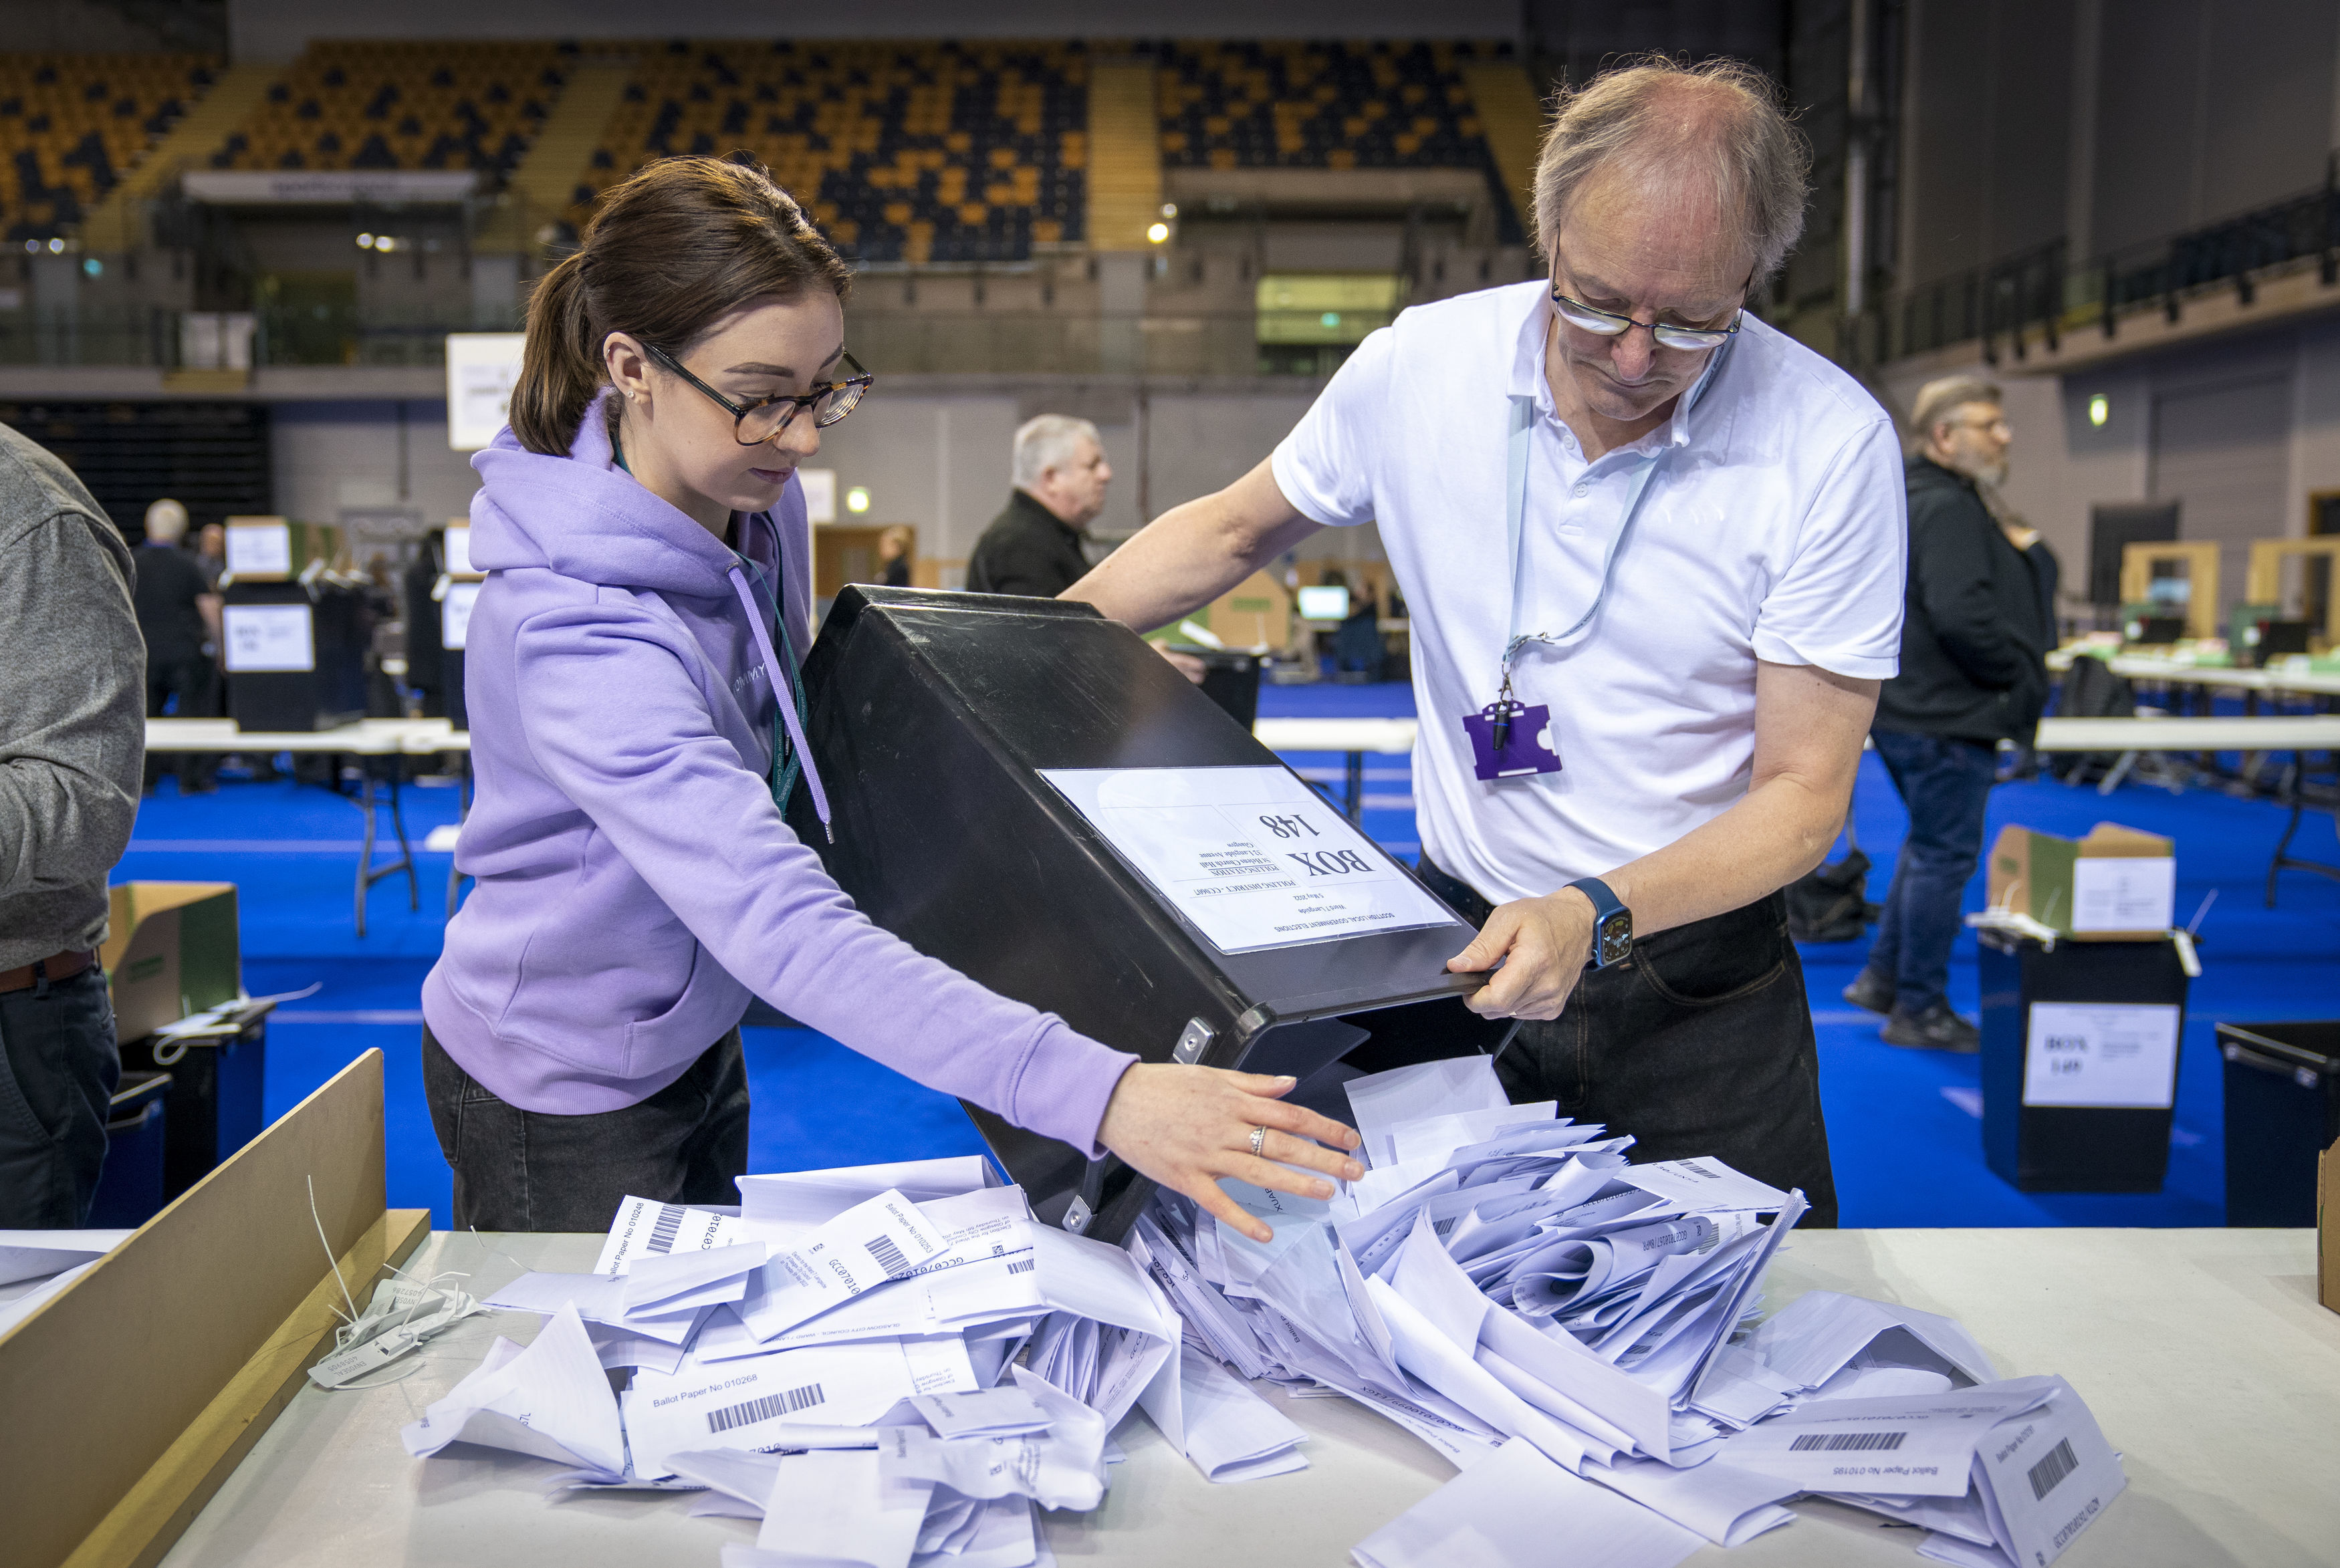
1771,529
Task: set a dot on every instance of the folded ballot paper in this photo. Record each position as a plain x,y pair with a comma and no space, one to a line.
1577,1333
886,1365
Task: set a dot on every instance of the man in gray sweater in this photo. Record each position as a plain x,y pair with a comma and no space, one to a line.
72,740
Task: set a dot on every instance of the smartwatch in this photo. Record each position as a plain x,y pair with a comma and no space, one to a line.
1612,922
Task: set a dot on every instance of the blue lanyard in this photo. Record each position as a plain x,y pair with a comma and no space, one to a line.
1515,499
783,779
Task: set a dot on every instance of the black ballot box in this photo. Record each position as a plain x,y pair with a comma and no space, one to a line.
295,655
2080,1044
130,1185
1231,681
2283,1109
216,1083
1027,791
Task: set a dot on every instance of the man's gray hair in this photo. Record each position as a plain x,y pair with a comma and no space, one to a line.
166,521
1719,119
1937,401
1047,441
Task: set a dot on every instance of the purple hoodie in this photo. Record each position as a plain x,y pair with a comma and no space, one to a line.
635,880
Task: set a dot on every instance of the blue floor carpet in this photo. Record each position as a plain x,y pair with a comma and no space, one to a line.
1904,1124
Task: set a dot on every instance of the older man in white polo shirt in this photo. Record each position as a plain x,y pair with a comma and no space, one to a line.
1652,550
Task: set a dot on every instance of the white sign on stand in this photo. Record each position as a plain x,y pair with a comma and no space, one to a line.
264,638
259,550
1250,856
458,550
455,615
480,369
2117,892
819,487
2102,1053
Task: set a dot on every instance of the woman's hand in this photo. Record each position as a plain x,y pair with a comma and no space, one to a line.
1185,1127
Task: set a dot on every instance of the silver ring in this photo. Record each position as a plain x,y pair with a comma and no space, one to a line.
1259,1138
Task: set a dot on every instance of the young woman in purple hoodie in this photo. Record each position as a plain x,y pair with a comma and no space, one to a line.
631,675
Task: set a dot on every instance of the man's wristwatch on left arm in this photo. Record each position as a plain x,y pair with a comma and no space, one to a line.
1612,922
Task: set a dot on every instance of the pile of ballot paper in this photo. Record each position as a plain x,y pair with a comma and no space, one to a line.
1566,1327
886,1365
34,1265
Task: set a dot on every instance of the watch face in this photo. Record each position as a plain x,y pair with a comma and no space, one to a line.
1616,936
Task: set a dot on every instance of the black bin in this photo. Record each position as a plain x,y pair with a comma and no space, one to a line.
328,694
932,715
2110,1038
2283,1109
1231,681
215,1096
129,1187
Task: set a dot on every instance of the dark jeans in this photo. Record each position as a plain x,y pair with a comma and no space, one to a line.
192,680
58,1070
527,1171
1700,1042
1944,782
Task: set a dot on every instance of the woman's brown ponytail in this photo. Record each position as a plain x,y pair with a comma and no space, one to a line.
669,252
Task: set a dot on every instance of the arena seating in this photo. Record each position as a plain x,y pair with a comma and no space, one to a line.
73,124
1319,105
951,152
403,105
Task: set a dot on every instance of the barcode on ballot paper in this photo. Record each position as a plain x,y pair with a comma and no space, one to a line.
786,1403
888,1255
1847,1442
1022,1265
669,1226
2059,1463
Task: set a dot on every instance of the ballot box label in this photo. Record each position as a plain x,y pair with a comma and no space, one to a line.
258,551
2104,1054
2111,893
268,637
455,615
1250,856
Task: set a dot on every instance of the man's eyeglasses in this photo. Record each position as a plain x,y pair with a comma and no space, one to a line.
758,423
1609,324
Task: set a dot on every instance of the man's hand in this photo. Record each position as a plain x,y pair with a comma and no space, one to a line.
1542,943
1187,1127
1187,665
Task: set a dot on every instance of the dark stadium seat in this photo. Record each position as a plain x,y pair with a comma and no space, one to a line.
75,124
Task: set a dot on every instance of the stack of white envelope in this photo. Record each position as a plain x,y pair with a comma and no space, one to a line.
886,1365
1504,1282
36,1265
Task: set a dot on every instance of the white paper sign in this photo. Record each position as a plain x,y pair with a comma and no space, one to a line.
458,551
480,369
2101,1054
2119,893
263,637
819,486
455,615
1251,857
260,550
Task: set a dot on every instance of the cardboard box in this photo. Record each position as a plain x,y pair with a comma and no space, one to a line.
2118,884
170,950
2327,1229
1252,617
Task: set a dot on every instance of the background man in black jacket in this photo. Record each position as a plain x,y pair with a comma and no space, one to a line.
1978,624
1034,548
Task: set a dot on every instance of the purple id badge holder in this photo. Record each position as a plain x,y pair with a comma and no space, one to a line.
1506,738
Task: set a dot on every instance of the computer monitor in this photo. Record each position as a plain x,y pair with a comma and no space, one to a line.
1324,604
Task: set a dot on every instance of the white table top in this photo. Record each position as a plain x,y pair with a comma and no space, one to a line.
1386,736
2203,1354
367,737
2160,667
2236,733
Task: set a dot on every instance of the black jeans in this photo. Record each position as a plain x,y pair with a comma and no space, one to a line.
1946,784
1700,1042
192,680
528,1171
58,1070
